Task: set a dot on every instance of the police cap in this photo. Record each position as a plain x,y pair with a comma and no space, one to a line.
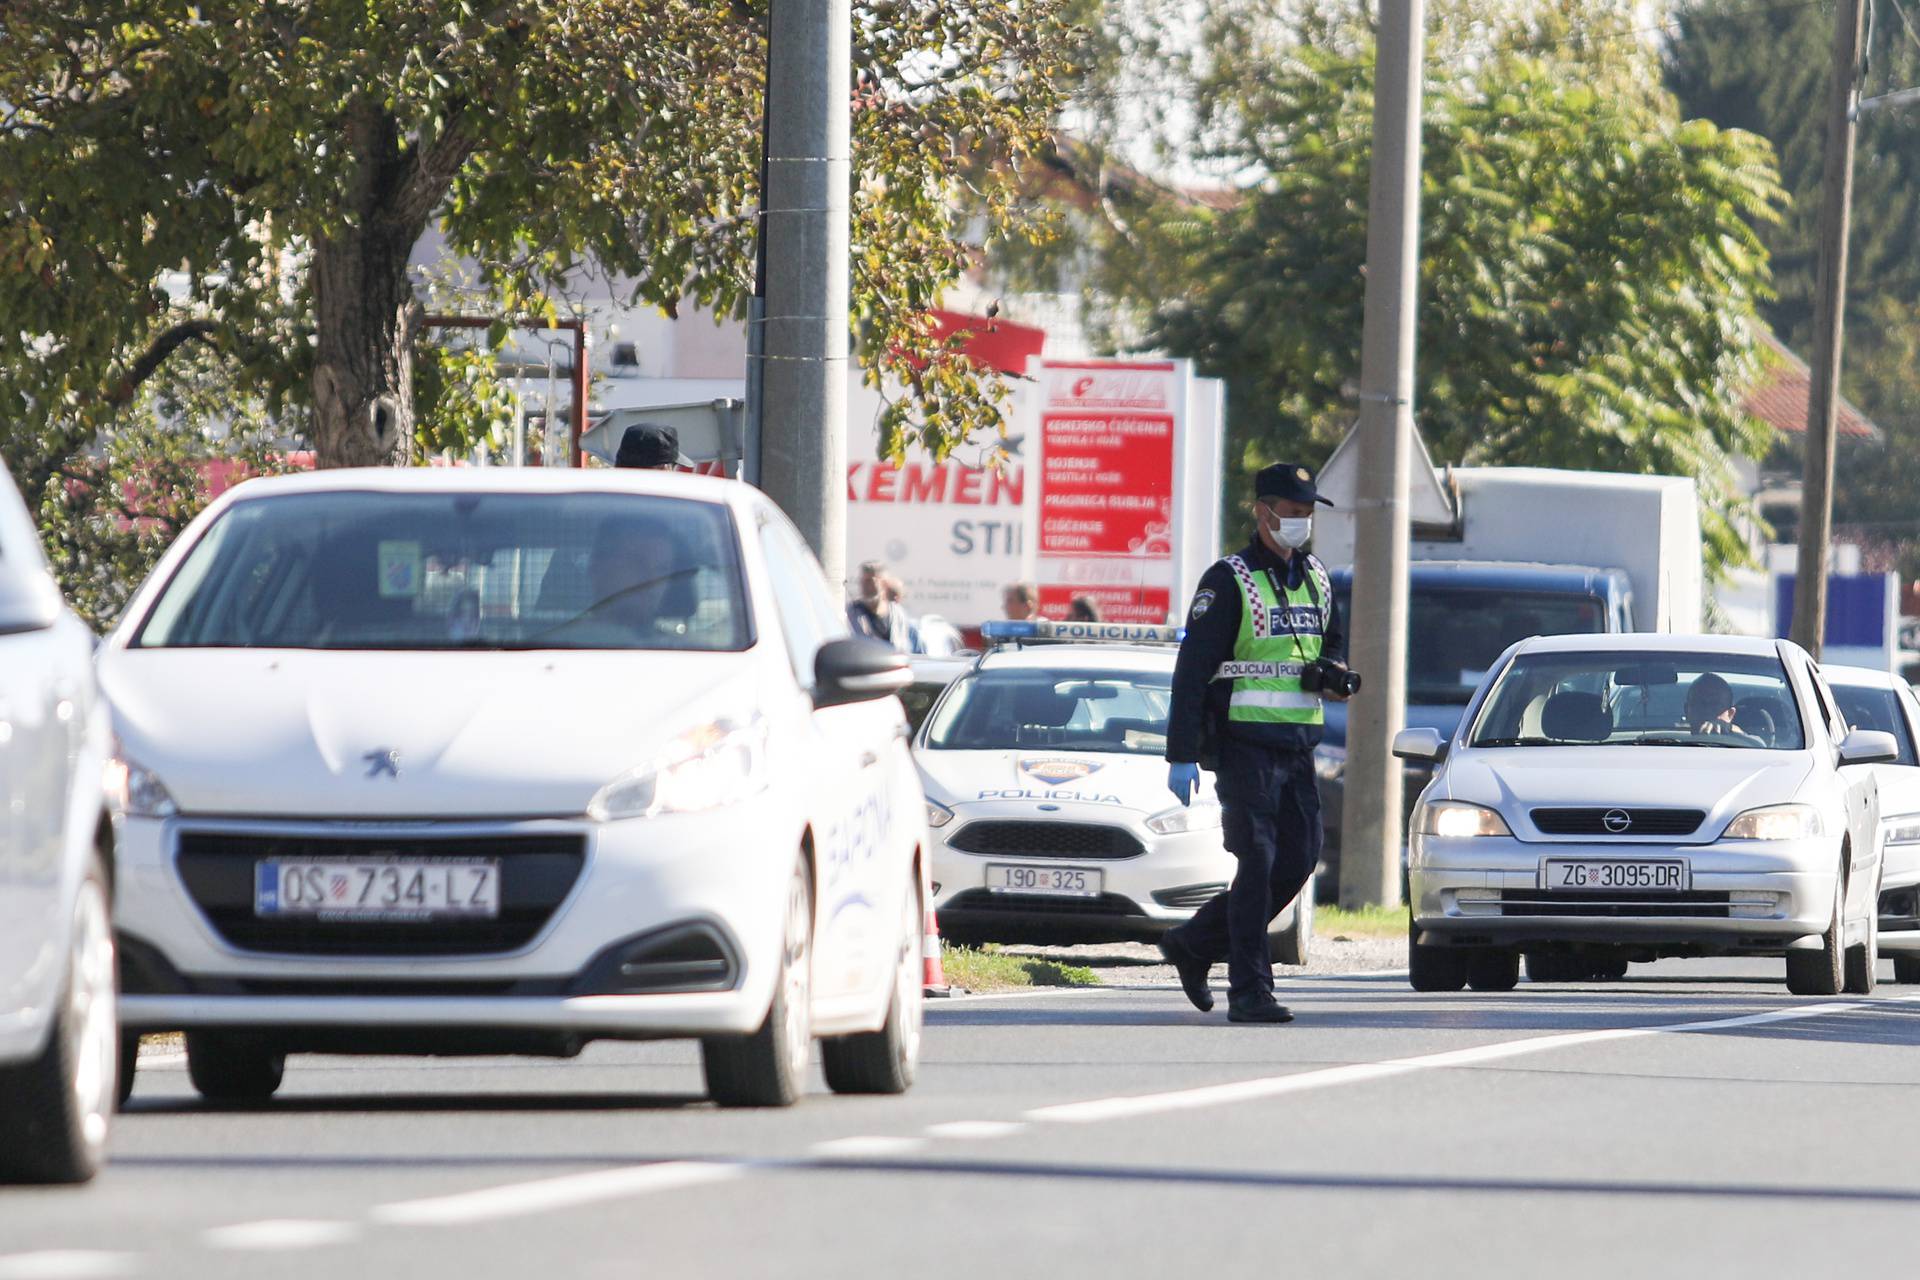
1289,482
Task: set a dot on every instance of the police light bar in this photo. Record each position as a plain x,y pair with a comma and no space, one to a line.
1040,629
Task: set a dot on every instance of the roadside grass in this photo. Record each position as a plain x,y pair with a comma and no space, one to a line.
989,969
1366,922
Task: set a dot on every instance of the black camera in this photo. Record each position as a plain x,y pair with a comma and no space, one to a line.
1324,675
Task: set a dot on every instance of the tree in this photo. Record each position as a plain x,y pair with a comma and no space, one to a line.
1590,263
249,177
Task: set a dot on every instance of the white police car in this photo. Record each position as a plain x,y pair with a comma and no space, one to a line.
1046,781
508,760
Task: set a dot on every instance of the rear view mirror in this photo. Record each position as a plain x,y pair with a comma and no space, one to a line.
1869,746
1646,673
1419,744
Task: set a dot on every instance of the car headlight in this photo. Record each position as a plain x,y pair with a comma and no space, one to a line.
1198,816
134,790
938,815
717,764
1777,822
1457,820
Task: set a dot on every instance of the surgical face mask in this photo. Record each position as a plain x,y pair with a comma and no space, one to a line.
1291,531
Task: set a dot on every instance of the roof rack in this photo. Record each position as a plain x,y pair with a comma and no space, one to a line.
1043,631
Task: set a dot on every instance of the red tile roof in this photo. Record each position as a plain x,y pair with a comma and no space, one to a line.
1779,395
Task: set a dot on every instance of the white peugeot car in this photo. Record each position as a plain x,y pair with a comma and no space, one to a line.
1046,781
1643,796
1878,700
505,761
58,1038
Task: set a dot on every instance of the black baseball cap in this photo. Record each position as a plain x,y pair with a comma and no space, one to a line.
1288,481
649,444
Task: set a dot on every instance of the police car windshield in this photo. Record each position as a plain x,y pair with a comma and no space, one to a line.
1459,632
1104,711
410,571
1720,700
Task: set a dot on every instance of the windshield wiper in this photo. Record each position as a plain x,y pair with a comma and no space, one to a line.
1656,740
1521,742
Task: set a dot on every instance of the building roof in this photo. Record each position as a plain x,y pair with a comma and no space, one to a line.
1778,396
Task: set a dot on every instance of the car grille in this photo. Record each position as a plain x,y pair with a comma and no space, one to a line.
985,901
1188,895
1694,904
1641,822
1047,840
536,873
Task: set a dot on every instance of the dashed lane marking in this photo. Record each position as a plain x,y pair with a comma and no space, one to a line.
975,1130
866,1147
522,1198
67,1264
281,1234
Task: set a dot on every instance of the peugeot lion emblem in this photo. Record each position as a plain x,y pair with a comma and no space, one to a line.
1617,821
382,760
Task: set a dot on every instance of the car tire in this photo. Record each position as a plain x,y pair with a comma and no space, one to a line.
234,1066
1612,965
886,1060
1550,966
1293,944
1863,961
1433,968
769,1067
1493,970
55,1109
129,1058
1822,972
1906,968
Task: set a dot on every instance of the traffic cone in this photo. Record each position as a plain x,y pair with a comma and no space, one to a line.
935,983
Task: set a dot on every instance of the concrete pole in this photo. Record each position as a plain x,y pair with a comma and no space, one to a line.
803,435
1370,822
1829,317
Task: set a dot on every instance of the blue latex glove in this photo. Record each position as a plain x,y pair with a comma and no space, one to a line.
1183,780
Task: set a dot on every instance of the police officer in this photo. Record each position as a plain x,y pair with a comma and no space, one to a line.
1257,618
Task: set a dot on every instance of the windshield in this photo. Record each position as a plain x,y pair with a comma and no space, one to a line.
1457,633
1869,708
362,570
1076,710
1647,699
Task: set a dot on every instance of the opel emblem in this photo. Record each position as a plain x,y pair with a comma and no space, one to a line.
1617,821
382,760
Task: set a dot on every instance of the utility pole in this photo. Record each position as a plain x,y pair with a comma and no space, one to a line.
1829,320
803,418
1370,823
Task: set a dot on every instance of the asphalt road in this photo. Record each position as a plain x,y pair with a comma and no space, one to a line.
1692,1120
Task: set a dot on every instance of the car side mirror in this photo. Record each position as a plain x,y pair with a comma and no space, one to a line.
1868,746
1420,744
857,669
26,603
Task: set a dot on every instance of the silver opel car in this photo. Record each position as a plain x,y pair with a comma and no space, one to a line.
1615,799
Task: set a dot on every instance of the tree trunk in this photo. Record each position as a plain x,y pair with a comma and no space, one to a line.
365,314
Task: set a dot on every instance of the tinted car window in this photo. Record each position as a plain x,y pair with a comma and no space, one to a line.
1869,708
1459,632
1078,710
410,571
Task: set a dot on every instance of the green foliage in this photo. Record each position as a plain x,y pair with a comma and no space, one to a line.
464,402
247,176
108,514
1590,263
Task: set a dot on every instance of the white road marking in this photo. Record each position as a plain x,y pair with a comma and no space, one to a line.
280,1234
1126,1108
1035,993
522,1198
863,1148
67,1264
970,1130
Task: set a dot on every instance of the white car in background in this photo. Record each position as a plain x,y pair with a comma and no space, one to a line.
1878,700
1046,783
504,761
58,1037
1641,796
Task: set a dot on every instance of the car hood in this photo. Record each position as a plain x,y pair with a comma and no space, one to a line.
1723,782
477,734
1081,780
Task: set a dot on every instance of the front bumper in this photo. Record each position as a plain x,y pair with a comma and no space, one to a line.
591,969
1141,896
1744,895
